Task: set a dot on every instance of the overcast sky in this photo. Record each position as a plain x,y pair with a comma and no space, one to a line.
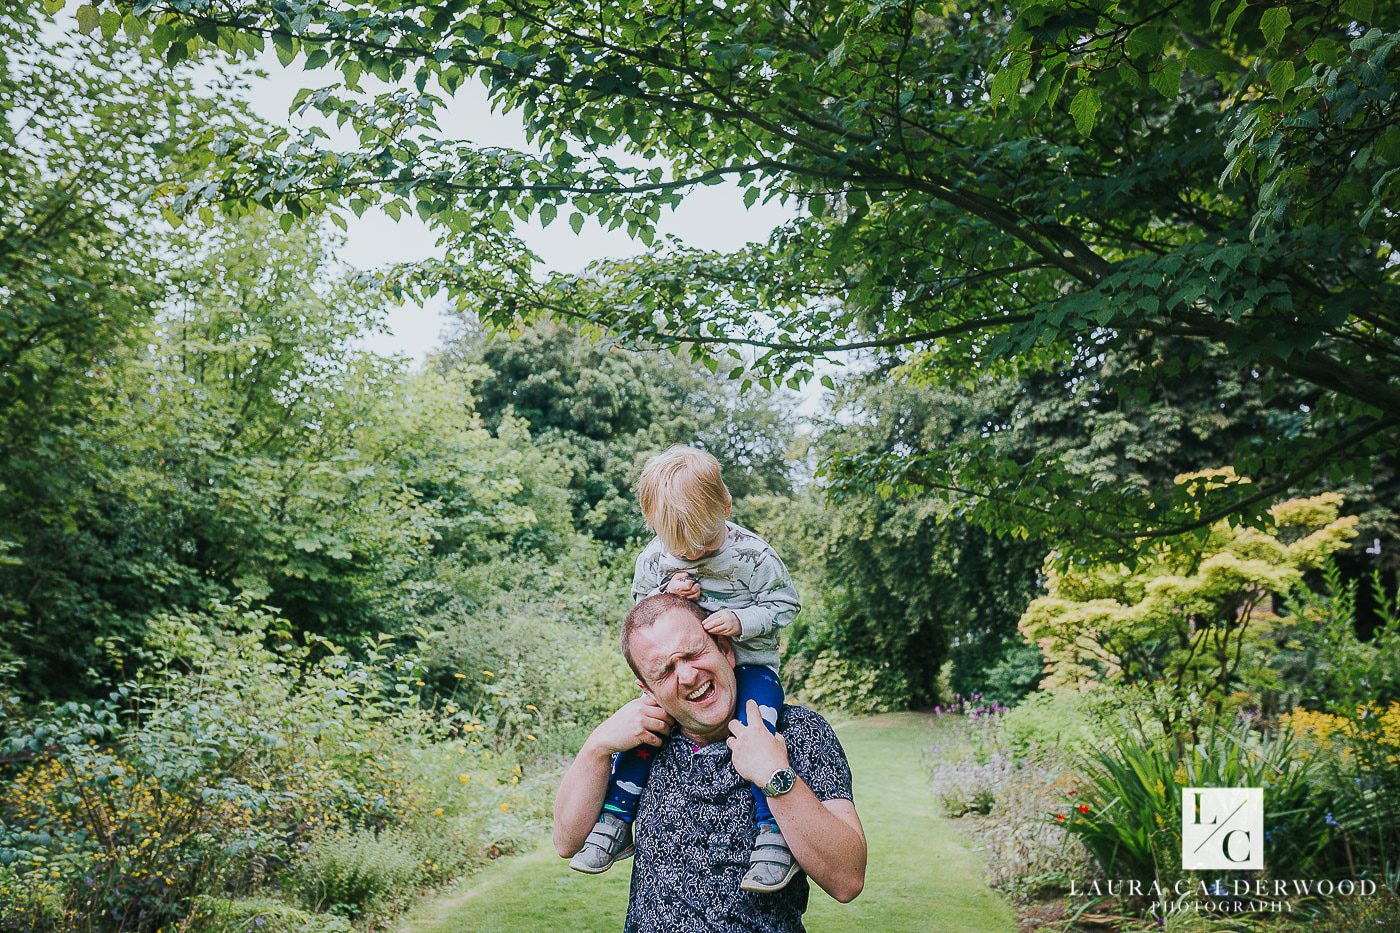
711,217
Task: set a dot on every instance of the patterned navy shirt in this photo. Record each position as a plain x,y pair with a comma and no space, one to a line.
695,829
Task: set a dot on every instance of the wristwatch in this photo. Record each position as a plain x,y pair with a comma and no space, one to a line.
782,781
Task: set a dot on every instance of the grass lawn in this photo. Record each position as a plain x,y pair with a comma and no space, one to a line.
921,877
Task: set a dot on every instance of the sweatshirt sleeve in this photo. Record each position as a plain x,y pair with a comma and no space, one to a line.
646,576
775,598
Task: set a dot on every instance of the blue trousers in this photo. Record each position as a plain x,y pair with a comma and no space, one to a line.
630,769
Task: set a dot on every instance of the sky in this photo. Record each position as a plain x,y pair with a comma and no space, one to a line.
711,217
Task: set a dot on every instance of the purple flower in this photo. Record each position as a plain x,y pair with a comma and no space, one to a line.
1331,822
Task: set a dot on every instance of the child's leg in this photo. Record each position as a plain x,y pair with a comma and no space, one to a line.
758,682
630,770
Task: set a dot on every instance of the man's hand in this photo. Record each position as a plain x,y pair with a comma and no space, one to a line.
682,584
640,722
755,751
725,623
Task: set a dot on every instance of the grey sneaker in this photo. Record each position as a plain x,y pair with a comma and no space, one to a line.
609,841
771,865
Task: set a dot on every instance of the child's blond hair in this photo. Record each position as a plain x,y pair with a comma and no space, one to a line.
683,498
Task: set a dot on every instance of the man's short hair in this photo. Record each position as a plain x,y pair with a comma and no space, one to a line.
645,614
683,498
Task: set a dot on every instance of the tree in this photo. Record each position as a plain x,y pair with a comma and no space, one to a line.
87,129
603,411
984,190
1197,617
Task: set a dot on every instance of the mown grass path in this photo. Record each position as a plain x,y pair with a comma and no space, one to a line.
922,876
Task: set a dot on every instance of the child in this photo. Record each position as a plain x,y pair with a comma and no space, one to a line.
736,577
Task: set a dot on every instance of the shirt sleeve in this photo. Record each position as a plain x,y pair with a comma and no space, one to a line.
775,598
816,754
646,576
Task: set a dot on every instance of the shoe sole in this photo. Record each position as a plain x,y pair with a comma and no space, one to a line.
756,888
590,870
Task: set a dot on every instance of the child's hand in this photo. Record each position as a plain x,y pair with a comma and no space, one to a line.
724,622
684,585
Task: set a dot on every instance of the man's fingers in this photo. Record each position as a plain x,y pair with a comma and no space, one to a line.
656,725
651,738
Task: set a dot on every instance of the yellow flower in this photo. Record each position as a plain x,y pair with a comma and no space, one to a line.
504,808
532,707
530,737
488,673
420,683
460,676
464,778
437,811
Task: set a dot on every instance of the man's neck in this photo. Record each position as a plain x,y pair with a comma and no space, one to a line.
706,738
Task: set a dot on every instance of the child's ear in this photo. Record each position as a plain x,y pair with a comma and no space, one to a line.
728,504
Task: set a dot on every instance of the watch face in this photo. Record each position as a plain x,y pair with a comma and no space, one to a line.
782,781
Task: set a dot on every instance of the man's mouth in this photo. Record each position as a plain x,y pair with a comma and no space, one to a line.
702,693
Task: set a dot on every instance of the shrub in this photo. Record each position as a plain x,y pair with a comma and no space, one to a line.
211,775
352,871
1357,755
259,915
1126,806
976,772
835,684
1044,721
533,667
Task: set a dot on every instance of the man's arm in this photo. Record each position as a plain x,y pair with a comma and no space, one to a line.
580,796
825,836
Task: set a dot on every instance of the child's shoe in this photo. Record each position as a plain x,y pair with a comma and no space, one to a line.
609,841
771,865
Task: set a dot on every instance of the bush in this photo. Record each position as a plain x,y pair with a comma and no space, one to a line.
354,871
534,667
1048,721
214,774
977,773
260,915
835,684
1126,806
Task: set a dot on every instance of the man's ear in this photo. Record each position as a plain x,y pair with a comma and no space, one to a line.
728,504
725,646
640,686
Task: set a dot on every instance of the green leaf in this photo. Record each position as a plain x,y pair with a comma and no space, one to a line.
87,18
1085,109
1167,79
576,221
547,214
315,60
750,196
1281,77
1362,10
1274,23
285,222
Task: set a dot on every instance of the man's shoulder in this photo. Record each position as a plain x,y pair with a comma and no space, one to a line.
800,721
816,753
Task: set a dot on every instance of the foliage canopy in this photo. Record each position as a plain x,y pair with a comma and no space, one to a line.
982,189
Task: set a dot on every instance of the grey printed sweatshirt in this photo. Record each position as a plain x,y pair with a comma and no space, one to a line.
745,575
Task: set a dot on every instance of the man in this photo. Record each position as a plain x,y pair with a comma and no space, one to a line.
694,825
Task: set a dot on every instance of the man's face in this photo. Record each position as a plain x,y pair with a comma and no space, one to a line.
687,673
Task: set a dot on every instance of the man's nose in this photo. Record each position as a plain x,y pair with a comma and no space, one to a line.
689,676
